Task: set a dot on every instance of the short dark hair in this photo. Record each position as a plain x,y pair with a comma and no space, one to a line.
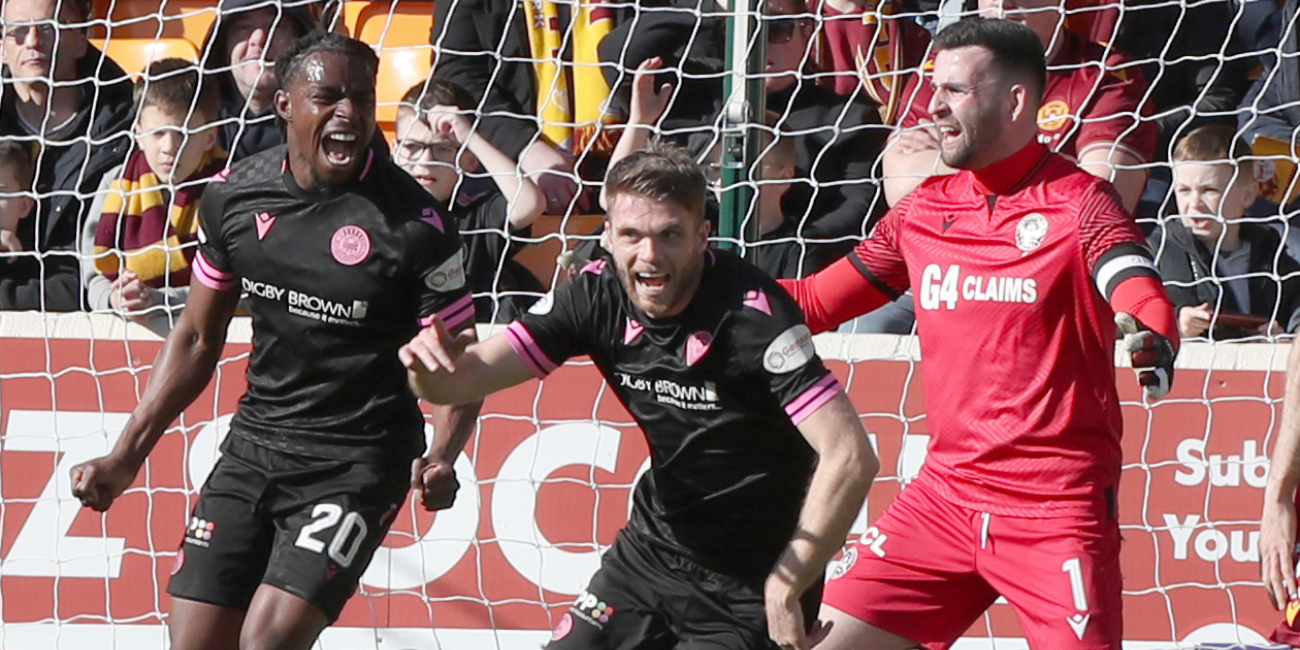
13,154
437,91
1216,143
1016,49
174,86
288,66
661,172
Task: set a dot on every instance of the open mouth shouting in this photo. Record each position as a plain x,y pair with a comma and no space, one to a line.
341,149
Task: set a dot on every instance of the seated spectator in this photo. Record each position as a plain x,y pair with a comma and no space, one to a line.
869,44
16,203
435,144
837,140
240,51
1268,118
1089,112
780,251
63,98
1227,278
507,55
1193,58
139,240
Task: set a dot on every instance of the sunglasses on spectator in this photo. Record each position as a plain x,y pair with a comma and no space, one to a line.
781,30
18,33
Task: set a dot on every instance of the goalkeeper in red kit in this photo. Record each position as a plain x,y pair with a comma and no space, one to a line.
1022,265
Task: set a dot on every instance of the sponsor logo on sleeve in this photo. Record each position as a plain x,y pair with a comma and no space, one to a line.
448,276
789,351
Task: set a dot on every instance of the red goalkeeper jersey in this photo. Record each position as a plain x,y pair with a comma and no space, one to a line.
1017,337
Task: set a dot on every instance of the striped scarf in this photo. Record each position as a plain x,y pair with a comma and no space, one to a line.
570,95
137,232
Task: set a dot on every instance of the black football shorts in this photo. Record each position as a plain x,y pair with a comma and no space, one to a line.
649,598
306,525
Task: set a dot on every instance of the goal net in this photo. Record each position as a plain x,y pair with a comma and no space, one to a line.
547,478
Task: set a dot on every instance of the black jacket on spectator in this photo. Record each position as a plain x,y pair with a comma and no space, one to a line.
1272,106
781,255
67,176
1179,45
837,141
243,133
1274,286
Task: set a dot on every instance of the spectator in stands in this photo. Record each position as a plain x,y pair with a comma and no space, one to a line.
16,203
1193,59
240,52
501,54
138,242
1269,116
780,251
1227,279
71,107
436,145
837,140
867,43
1089,113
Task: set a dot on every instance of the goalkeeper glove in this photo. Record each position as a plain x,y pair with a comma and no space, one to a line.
1151,354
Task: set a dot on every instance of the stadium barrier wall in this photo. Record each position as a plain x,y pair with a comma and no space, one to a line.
546,482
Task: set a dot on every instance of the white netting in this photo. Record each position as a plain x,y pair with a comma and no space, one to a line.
547,480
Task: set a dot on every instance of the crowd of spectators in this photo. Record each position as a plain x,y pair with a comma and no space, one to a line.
100,170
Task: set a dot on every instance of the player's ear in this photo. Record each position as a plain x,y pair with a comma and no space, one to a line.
282,106
1017,101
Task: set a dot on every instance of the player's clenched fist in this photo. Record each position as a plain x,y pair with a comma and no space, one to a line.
1152,356
98,482
435,481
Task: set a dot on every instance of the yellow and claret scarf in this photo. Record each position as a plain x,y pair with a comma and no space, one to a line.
136,230
571,95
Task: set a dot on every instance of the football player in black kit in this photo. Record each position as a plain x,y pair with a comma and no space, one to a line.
759,462
342,255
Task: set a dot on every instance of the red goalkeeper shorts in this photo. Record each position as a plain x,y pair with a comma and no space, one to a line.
928,569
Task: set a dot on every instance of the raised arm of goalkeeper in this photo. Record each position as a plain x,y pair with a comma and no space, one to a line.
874,273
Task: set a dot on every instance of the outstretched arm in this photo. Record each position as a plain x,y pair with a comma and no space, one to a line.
846,465
453,370
183,368
1277,529
648,105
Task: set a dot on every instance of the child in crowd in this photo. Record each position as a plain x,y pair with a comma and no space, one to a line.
436,145
16,172
140,238
1227,278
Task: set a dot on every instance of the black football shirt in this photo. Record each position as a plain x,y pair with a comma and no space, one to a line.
718,391
336,282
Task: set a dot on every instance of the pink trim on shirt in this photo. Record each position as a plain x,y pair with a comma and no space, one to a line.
814,398
522,341
211,277
457,313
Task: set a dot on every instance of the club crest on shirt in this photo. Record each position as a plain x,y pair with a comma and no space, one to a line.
1053,115
350,245
1031,231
